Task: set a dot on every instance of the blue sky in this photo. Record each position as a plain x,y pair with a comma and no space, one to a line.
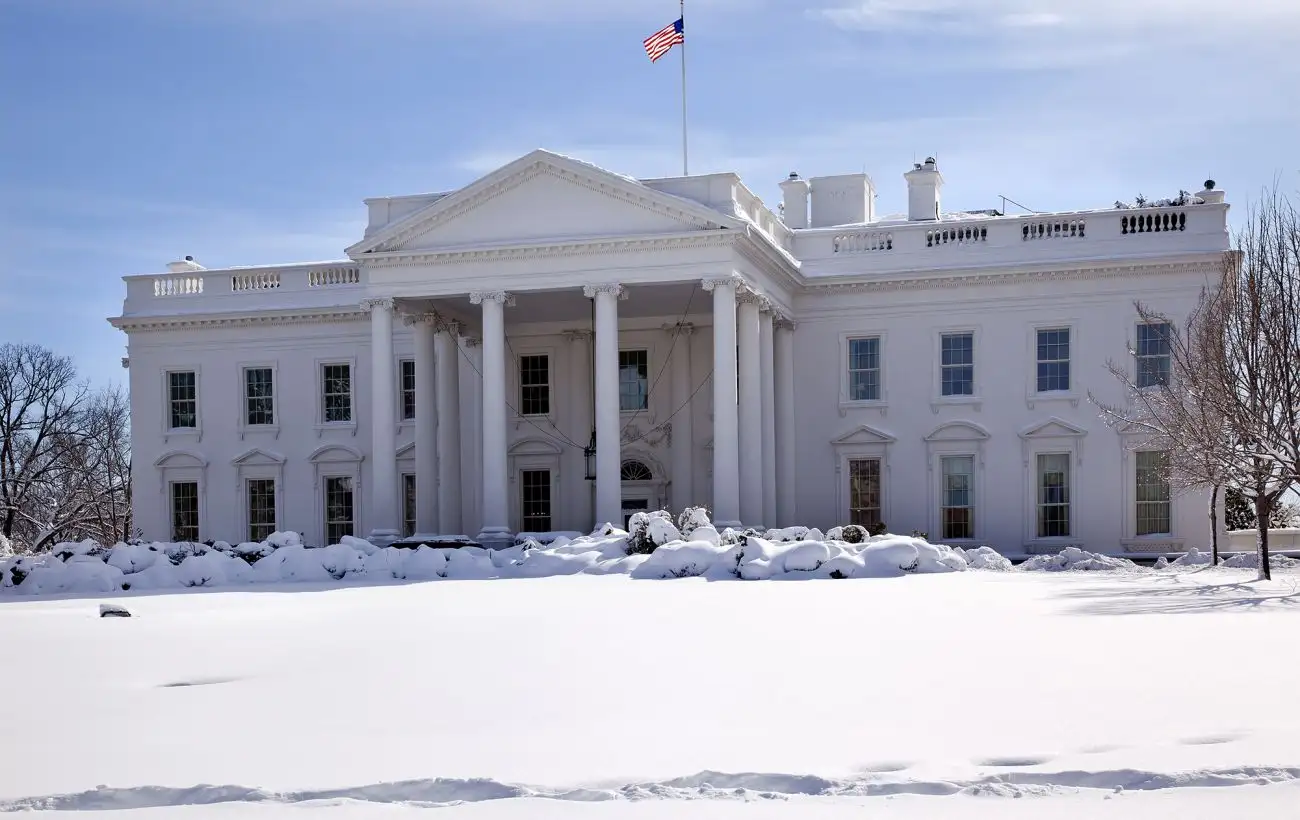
248,131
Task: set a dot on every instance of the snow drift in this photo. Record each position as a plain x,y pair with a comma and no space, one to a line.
656,547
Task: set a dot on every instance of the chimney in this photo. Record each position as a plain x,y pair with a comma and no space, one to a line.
185,265
1210,195
923,186
794,198
847,199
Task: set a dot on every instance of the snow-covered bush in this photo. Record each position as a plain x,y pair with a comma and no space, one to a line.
984,558
854,534
6,547
648,530
1075,559
691,519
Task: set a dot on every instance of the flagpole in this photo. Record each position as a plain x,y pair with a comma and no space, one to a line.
685,166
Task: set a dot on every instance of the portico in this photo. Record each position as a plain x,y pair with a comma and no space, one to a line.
631,379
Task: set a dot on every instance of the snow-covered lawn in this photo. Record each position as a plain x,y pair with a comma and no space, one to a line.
1116,694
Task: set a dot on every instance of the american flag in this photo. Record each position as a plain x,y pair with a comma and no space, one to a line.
663,40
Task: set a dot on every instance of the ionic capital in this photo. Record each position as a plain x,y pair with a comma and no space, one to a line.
410,319
784,323
680,328
387,303
501,297
749,296
731,280
615,288
449,326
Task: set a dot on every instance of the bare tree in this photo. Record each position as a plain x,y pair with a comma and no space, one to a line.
40,400
1229,410
64,453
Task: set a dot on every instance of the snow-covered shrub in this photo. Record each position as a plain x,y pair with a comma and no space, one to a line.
1075,559
984,558
648,530
853,534
69,549
6,546
1250,560
1192,558
691,519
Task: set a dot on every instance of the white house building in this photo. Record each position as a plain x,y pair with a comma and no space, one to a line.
829,366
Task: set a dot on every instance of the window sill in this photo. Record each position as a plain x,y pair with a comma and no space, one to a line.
273,429
955,401
349,426
183,432
880,405
1052,396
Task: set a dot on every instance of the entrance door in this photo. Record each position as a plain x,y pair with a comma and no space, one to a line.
632,506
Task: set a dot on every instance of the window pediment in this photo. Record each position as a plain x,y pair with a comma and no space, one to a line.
258,457
958,431
335,453
1052,428
180,458
863,435
535,447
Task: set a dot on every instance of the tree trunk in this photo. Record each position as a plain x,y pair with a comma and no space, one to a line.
1262,511
1214,526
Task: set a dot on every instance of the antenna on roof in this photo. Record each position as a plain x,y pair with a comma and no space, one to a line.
1006,199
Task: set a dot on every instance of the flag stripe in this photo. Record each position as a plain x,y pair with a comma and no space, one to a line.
663,40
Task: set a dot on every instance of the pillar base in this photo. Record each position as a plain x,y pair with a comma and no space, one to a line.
384,538
496,538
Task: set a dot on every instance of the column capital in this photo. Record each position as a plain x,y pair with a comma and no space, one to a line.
577,335
783,322
615,288
680,328
748,295
473,341
450,326
733,280
410,319
501,297
383,303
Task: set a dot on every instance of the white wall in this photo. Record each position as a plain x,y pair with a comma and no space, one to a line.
1102,317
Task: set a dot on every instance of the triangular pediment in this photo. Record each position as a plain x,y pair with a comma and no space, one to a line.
335,453
863,435
541,197
1053,428
257,457
958,431
535,447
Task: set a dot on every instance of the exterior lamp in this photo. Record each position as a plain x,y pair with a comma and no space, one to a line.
589,456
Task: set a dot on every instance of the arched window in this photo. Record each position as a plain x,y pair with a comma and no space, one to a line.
633,470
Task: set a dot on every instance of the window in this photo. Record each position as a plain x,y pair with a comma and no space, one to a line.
864,369
408,504
536,486
632,506
1053,495
957,364
1054,360
261,508
259,396
183,399
338,508
958,496
408,389
336,395
633,380
633,470
535,385
1153,354
185,511
1152,493
864,491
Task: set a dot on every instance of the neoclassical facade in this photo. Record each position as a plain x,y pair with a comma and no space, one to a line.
556,346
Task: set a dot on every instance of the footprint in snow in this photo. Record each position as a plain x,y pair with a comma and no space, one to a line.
196,682
1210,740
1014,762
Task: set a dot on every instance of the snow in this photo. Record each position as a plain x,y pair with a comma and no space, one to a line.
1124,694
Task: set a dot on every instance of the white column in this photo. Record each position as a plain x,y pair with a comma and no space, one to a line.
471,425
726,444
768,387
384,517
785,429
609,445
683,450
750,411
447,349
576,486
496,511
426,426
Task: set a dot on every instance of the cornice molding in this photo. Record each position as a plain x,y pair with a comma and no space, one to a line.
646,198
963,280
527,253
132,323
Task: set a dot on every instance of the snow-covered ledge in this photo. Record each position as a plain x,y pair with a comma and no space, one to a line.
1279,539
